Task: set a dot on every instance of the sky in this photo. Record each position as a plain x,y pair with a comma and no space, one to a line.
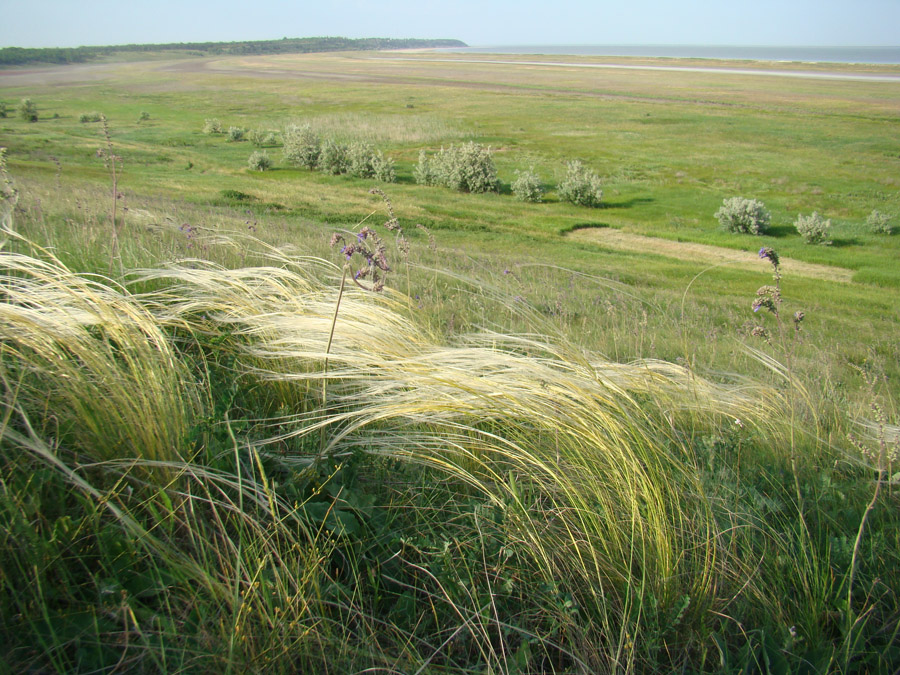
71,23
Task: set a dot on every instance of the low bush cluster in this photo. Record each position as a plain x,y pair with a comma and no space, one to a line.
879,223
262,138
305,148
744,216
86,118
468,167
212,126
235,134
581,186
813,228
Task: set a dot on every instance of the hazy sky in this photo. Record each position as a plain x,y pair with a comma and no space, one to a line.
70,23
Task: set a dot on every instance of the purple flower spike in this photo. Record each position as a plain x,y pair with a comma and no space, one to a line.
762,252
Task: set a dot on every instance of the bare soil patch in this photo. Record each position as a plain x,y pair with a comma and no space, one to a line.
704,253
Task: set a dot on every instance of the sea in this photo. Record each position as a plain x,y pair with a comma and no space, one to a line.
785,54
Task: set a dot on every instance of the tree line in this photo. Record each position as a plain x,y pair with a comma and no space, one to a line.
15,56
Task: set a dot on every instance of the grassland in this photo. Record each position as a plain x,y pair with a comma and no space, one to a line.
550,445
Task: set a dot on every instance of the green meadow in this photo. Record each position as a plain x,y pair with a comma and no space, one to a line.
477,435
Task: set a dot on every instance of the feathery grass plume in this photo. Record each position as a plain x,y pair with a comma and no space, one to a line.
88,351
597,489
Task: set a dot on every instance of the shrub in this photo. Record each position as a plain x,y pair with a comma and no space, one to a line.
360,160
144,116
302,146
384,169
527,187
260,161
581,186
814,229
261,137
28,110
333,158
85,118
212,126
424,172
3,112
235,134
364,161
748,216
468,167
879,223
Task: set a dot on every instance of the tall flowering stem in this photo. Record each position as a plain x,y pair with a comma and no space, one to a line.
112,160
769,298
370,255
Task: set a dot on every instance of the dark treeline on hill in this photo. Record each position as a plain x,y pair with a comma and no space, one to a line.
15,56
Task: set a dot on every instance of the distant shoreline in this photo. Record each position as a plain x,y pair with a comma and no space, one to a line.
820,74
787,54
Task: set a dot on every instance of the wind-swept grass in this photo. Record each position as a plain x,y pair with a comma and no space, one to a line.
493,500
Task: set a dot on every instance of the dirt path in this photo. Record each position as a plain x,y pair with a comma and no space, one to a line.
713,255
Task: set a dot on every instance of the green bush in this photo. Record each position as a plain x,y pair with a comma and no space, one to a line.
144,116
3,112
813,228
879,223
260,161
360,160
424,172
235,134
527,187
364,161
468,167
747,216
85,118
28,110
581,186
333,158
383,168
212,126
302,146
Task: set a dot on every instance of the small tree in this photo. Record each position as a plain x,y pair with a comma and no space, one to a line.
747,216
28,110
879,223
581,186
333,158
302,146
814,229
424,173
260,161
468,167
527,187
